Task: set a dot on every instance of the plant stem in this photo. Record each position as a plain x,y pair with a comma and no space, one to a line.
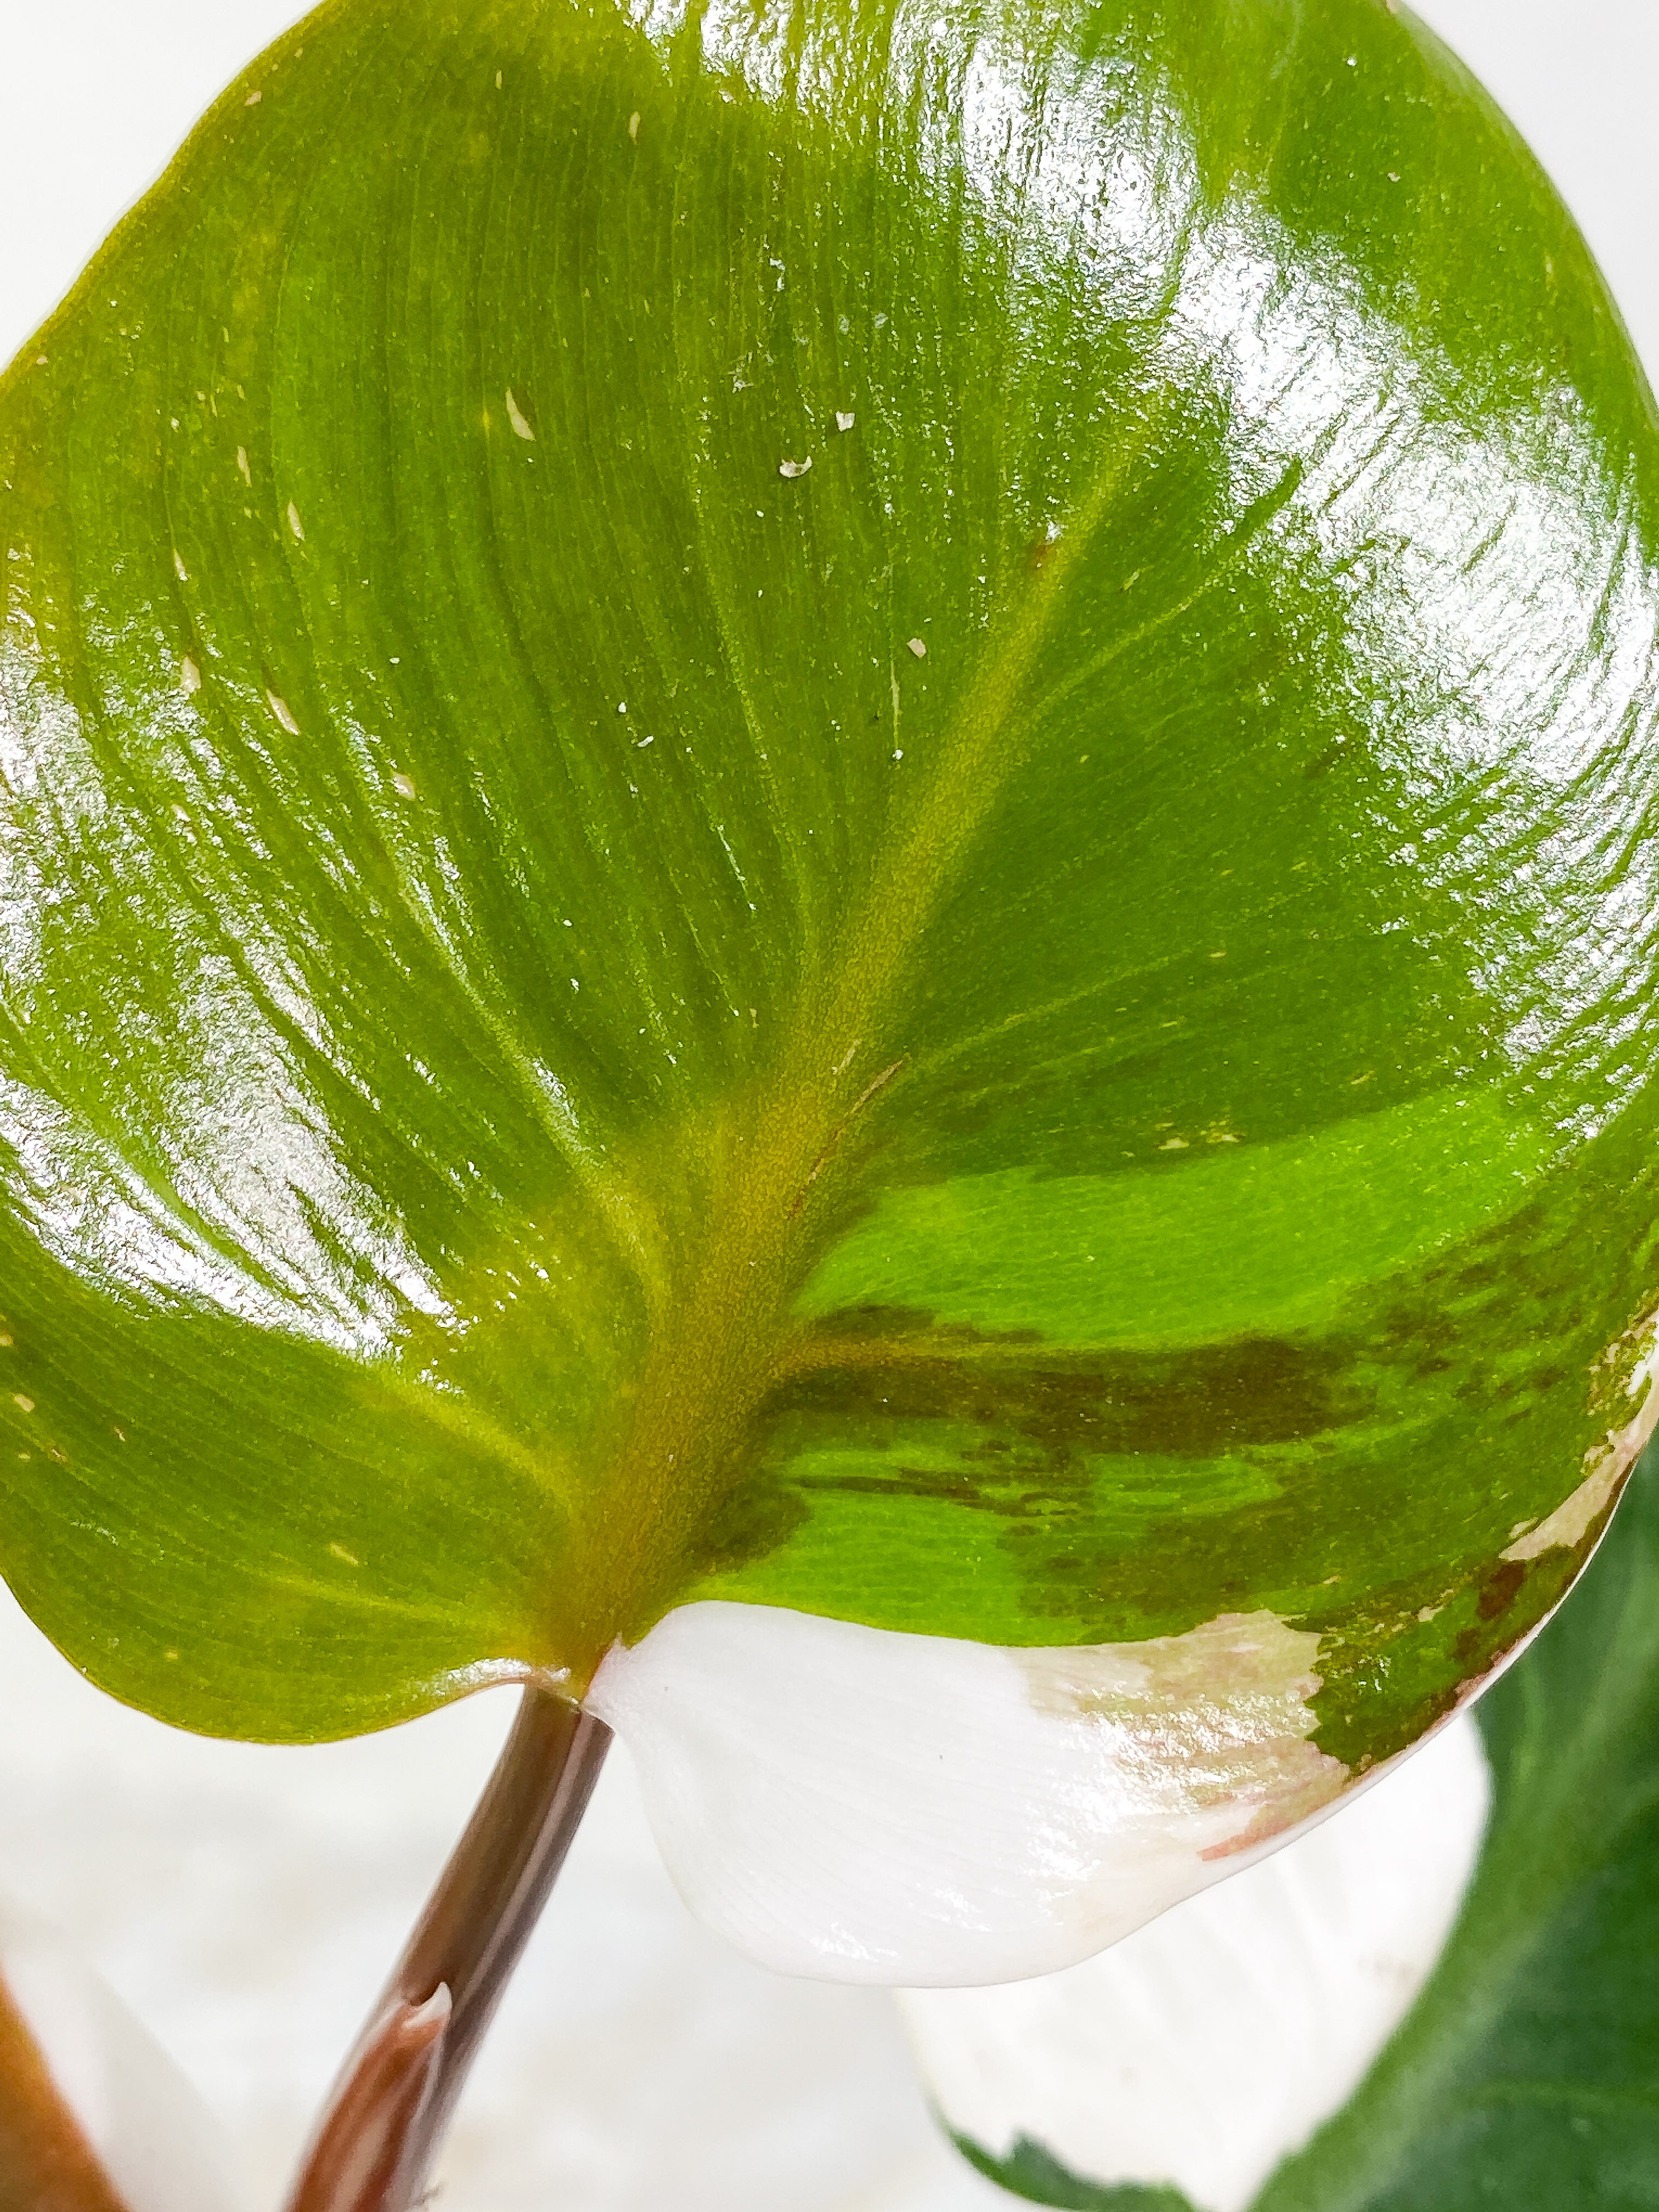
46,2163
389,2107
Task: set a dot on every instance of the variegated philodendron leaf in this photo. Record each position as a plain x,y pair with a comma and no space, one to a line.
1248,2054
826,837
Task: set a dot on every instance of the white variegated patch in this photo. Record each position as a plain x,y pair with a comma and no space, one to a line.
152,2135
1605,1464
866,1806
1207,2047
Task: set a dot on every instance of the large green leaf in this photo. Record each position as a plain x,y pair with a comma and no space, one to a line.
1038,1032
1525,2074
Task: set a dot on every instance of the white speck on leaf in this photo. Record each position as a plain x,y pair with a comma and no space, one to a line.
280,709
293,521
26,1404
918,646
794,468
1173,1144
404,786
189,676
254,99
179,569
844,422
515,416
640,743
634,126
340,1552
242,464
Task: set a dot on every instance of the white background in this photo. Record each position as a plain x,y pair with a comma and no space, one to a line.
245,1901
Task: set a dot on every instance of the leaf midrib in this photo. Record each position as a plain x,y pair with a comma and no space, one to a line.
719,1334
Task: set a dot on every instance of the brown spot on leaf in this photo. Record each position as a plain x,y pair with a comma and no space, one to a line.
1498,1592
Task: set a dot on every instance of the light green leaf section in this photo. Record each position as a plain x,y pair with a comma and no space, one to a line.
1273,1237
1038,1030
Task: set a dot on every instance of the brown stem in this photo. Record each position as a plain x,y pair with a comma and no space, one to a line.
46,2163
393,2102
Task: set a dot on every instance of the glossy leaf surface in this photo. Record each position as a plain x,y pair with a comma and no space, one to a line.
1037,1031
1524,2073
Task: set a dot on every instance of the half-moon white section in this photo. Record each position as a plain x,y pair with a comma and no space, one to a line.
868,1805
1209,2046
